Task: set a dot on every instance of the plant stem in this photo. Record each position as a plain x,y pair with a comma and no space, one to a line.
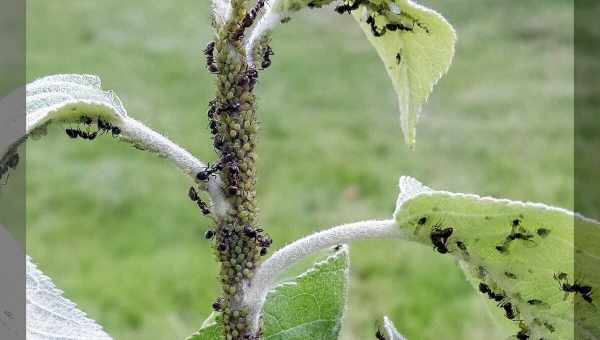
237,246
284,258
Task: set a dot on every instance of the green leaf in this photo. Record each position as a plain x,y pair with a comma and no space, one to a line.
416,55
415,43
516,249
311,306
211,329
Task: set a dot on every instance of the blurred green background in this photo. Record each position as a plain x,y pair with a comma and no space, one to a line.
113,227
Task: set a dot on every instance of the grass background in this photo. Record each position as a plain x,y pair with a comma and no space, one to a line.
115,229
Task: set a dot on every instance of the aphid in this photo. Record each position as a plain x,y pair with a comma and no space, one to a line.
263,251
248,19
209,234
575,288
543,232
218,305
516,222
193,194
203,207
510,275
535,302
337,247
210,57
422,220
439,239
374,29
462,247
222,247
549,326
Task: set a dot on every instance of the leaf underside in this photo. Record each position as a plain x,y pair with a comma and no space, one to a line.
516,249
416,54
51,316
309,307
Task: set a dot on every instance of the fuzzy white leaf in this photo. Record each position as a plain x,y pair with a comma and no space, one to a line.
50,316
66,98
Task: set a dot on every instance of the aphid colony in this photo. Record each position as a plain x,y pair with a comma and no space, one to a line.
11,162
249,19
103,127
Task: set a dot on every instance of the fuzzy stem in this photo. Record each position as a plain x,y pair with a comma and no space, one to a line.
234,125
284,258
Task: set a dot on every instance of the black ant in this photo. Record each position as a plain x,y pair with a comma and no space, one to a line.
252,75
398,58
13,161
207,172
249,231
210,57
203,207
576,288
105,126
249,19
509,311
347,8
485,289
439,238
193,194
266,62
209,234
218,305
374,29
401,27
517,233
379,335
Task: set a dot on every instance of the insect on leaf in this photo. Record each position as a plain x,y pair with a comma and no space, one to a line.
517,255
311,306
416,45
